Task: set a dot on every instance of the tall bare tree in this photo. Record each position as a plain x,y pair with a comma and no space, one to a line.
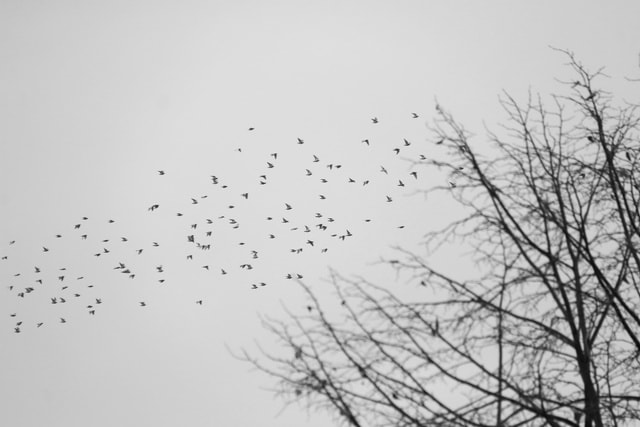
548,334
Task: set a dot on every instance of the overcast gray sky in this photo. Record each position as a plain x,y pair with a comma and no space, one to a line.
96,97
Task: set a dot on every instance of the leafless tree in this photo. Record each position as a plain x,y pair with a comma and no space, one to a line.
548,334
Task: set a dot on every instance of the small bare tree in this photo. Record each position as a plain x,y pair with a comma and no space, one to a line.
549,332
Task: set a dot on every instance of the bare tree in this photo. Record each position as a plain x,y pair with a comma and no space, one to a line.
548,334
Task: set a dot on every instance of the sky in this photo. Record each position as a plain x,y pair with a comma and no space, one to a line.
97,97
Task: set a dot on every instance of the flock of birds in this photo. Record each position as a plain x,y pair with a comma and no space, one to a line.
306,226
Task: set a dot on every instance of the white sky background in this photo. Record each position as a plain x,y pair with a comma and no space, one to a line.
95,97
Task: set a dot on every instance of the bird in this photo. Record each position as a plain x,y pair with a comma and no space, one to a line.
374,120
414,115
288,206
389,199
142,304
300,141
44,249
160,172
199,302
